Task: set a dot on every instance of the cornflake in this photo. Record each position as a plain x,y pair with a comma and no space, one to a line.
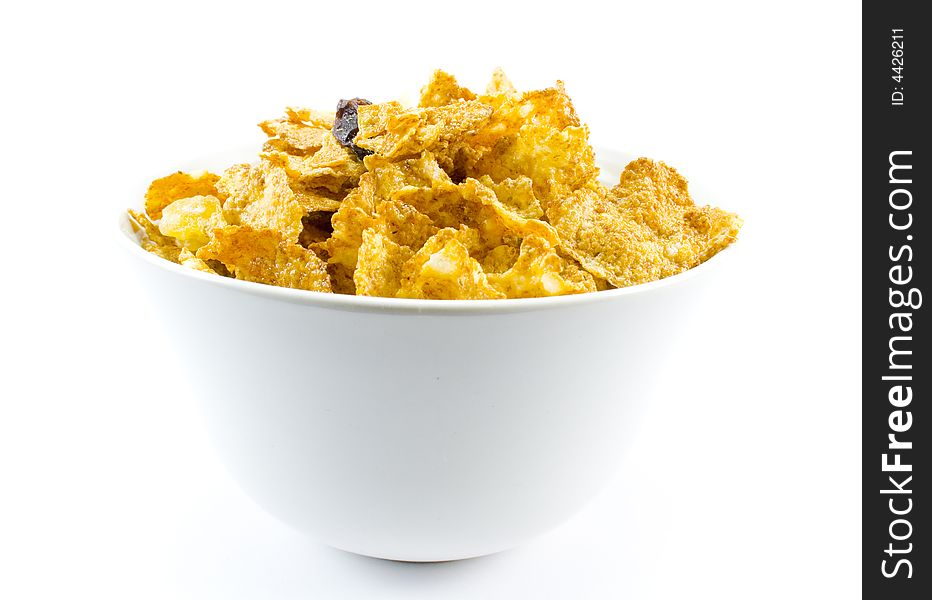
260,197
443,270
467,196
165,190
645,228
263,256
539,271
380,263
190,221
301,132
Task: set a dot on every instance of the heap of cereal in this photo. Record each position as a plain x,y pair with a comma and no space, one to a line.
464,197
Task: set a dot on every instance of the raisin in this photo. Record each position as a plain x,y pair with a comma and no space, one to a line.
346,125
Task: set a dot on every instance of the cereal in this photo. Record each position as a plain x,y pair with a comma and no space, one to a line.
261,198
378,272
188,259
403,223
500,86
517,195
468,196
354,216
191,220
499,259
263,256
443,89
166,190
295,136
341,279
393,132
332,167
152,239
645,228
539,271
443,270
314,199
315,118
556,161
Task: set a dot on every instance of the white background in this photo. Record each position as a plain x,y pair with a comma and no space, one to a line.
744,481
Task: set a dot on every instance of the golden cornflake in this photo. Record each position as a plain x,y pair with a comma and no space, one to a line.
403,224
499,259
538,271
188,259
443,270
378,272
315,118
332,167
645,228
394,132
260,197
353,217
517,195
151,239
317,199
499,86
557,161
341,279
263,256
191,220
294,138
442,89
166,190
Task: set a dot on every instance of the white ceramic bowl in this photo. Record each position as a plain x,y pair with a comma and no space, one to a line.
419,430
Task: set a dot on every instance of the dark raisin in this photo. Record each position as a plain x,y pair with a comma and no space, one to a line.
346,125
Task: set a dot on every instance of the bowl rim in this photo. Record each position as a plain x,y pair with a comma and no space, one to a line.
127,239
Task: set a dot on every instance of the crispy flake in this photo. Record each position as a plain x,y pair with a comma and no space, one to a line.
557,161
539,271
378,272
645,228
442,89
166,190
499,259
403,224
517,195
537,135
188,259
191,220
315,118
264,257
316,199
444,270
151,239
394,132
353,217
475,205
372,205
260,197
391,176
294,138
332,167
500,86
